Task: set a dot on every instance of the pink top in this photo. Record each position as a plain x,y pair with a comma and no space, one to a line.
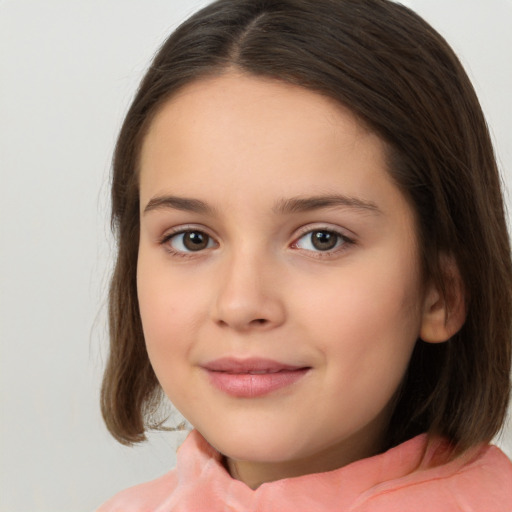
409,477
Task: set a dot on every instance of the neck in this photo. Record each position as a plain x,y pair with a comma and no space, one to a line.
255,473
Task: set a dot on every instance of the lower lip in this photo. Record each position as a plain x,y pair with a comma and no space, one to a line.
250,385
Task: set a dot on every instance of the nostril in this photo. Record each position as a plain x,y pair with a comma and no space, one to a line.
256,321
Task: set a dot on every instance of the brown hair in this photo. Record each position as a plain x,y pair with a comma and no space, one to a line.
402,79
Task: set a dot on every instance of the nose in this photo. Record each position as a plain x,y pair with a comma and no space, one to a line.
248,296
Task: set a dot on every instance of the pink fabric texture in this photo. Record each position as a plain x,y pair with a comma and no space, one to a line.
414,476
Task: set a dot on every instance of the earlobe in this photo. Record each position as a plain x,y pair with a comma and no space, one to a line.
444,311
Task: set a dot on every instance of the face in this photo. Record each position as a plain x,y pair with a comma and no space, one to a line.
278,274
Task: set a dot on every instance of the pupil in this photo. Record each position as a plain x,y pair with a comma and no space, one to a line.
324,240
195,241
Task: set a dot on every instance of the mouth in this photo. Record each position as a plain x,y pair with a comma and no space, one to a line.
251,378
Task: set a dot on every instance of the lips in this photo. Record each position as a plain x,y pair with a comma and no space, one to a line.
251,378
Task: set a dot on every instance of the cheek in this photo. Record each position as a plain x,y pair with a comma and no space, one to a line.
367,321
169,308
368,300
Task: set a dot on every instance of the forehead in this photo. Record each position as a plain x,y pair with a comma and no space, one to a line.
212,106
238,133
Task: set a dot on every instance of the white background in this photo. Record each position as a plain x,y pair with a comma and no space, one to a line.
68,70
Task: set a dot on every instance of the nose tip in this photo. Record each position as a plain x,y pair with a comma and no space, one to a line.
248,314
248,299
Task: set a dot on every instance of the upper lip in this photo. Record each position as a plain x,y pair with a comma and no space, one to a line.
259,365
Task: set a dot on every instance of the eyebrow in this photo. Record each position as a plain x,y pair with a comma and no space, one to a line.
304,204
179,203
282,207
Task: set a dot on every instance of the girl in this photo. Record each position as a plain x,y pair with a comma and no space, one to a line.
313,266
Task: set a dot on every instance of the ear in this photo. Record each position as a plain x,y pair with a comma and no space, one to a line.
444,313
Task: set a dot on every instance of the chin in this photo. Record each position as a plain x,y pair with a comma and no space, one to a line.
257,446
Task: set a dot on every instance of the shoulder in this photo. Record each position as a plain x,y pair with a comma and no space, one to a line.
491,473
146,496
478,480
195,458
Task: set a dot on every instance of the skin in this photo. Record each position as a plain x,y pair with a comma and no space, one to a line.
245,147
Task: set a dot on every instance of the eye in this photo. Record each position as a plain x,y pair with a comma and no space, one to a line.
189,241
320,240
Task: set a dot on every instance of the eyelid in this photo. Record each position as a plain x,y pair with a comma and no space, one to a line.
348,239
178,230
346,235
319,226
181,228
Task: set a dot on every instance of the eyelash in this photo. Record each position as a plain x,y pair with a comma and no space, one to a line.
342,242
168,237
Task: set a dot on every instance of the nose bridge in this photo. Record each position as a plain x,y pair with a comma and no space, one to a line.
247,296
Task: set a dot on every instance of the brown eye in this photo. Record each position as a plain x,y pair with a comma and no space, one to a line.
324,240
190,241
195,240
320,240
